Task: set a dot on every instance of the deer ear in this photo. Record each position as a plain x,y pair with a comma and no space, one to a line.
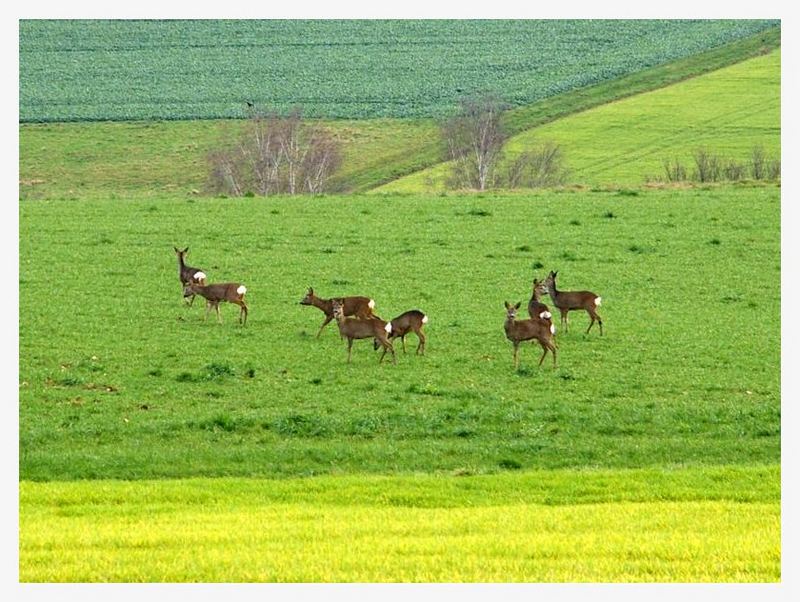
517,305
186,250
506,304
176,249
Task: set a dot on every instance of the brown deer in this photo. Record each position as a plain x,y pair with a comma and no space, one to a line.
567,301
360,307
363,328
214,294
526,330
187,274
412,320
537,309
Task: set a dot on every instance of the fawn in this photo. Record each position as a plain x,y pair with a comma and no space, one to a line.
412,320
187,274
566,301
362,328
352,306
525,330
232,292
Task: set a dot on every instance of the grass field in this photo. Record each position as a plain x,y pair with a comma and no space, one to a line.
119,380
625,143
156,447
695,525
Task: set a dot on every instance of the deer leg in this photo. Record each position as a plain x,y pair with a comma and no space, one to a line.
421,346
391,348
543,354
564,319
553,351
403,340
590,323
208,309
349,349
516,356
219,316
327,319
243,310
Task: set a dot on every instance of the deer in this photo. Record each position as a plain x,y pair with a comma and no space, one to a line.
371,327
187,274
566,301
526,330
360,307
412,320
537,309
214,294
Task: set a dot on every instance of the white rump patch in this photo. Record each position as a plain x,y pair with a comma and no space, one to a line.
545,315
598,300
388,327
552,328
242,289
371,304
199,276
424,319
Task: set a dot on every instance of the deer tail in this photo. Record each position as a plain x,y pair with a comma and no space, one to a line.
241,290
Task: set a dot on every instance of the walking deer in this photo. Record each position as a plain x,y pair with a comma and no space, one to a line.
214,294
352,306
412,320
363,328
526,330
566,301
187,274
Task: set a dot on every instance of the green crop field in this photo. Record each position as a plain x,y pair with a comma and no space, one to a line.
727,112
118,380
73,70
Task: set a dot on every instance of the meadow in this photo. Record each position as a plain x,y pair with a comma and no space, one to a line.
70,69
119,380
155,446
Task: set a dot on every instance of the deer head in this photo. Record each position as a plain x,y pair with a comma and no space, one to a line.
307,300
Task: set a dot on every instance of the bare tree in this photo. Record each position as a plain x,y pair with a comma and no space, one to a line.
474,139
275,154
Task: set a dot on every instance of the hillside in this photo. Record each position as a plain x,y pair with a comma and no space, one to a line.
728,111
131,159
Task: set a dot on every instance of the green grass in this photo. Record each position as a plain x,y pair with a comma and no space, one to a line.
624,143
687,525
80,160
119,380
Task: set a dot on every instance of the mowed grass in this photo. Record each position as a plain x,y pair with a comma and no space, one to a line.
709,524
625,143
119,380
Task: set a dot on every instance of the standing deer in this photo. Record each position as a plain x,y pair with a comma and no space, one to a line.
412,320
566,301
187,274
232,292
353,306
526,330
537,309
363,328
